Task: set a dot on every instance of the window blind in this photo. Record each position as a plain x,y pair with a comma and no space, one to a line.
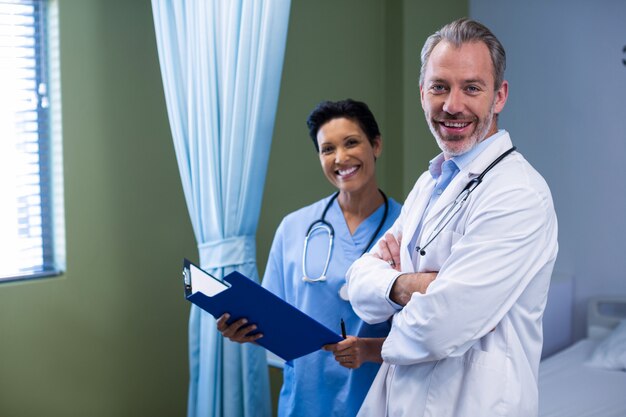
27,247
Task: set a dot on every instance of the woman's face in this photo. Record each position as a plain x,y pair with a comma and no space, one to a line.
347,156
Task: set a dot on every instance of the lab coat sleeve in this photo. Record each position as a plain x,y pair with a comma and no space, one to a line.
369,297
369,280
504,240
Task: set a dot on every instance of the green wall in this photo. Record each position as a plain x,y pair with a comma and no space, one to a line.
109,337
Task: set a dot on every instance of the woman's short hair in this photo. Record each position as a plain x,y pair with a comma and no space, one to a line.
357,111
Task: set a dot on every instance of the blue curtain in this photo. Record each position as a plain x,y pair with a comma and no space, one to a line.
221,62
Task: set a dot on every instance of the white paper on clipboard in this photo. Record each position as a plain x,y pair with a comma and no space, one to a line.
205,283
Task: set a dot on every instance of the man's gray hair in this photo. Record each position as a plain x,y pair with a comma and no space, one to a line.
466,31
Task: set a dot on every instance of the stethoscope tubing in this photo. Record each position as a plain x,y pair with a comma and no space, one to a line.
321,223
459,201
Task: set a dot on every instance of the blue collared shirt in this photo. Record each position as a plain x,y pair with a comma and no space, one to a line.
444,171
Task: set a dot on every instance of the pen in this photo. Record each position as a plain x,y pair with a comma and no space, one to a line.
343,329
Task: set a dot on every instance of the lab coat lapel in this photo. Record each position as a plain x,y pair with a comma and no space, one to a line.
417,212
447,198
471,171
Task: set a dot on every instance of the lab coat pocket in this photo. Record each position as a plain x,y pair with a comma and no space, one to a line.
439,250
469,385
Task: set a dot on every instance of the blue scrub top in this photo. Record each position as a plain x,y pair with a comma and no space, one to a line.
316,385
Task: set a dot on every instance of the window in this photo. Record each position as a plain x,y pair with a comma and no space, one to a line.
31,207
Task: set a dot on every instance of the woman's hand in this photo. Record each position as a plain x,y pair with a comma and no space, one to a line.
238,331
354,351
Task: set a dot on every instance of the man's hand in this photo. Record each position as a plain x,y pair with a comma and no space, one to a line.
389,250
238,331
407,284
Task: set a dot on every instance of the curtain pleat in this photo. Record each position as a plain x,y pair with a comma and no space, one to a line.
221,63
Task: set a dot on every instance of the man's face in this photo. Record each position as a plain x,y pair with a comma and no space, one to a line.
458,96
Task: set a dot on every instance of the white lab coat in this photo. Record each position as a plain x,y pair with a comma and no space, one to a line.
470,346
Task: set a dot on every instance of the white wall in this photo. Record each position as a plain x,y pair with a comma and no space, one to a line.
567,114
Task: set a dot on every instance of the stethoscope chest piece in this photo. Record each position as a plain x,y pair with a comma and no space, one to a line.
343,292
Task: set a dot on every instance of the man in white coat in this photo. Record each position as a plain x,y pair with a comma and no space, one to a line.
464,272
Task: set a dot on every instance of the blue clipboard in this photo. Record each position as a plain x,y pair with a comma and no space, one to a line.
287,332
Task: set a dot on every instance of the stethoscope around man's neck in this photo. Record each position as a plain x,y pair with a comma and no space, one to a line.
322,224
458,203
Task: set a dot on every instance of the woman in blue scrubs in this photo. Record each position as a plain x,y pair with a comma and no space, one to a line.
333,381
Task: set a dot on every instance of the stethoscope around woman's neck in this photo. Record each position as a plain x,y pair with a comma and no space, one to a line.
458,202
322,224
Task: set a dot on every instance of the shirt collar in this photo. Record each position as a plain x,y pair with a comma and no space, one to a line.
461,161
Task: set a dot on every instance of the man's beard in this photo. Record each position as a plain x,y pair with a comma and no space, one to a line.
479,134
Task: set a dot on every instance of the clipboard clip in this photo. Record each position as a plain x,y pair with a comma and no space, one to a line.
187,278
